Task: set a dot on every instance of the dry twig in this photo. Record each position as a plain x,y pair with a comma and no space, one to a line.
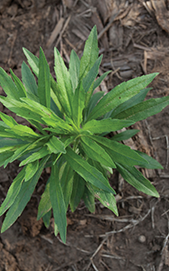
63,30
129,226
55,32
108,25
160,267
95,253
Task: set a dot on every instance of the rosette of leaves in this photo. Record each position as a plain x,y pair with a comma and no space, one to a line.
68,124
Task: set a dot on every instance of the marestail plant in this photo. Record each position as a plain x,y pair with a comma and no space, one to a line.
67,131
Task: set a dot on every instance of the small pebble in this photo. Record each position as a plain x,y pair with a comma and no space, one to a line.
83,222
142,239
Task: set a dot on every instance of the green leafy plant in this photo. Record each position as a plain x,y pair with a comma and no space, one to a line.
68,125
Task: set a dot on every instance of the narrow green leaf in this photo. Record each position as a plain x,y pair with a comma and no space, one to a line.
12,192
56,231
28,80
68,140
30,110
66,181
100,79
38,127
34,63
107,199
31,169
43,80
74,69
11,142
22,199
55,145
54,106
7,148
120,94
8,85
109,169
91,75
4,157
93,101
23,132
131,102
3,125
151,163
64,83
10,134
89,200
19,85
33,97
77,191
59,126
145,109
39,108
32,60
28,148
136,179
3,132
58,204
8,120
88,81
46,219
105,125
100,167
118,152
35,156
45,115
22,109
57,130
78,105
90,53
18,153
125,135
86,171
96,152
55,95
45,203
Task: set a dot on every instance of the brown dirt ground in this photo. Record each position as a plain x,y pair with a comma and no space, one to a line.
134,39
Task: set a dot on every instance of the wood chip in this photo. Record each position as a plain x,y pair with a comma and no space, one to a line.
4,4
79,34
55,33
105,9
97,21
166,256
68,3
131,16
161,13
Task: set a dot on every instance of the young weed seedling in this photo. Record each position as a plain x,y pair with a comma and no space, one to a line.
70,127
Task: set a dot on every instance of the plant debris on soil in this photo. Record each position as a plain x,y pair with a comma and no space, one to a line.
133,38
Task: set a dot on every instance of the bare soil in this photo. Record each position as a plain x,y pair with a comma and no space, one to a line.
134,39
